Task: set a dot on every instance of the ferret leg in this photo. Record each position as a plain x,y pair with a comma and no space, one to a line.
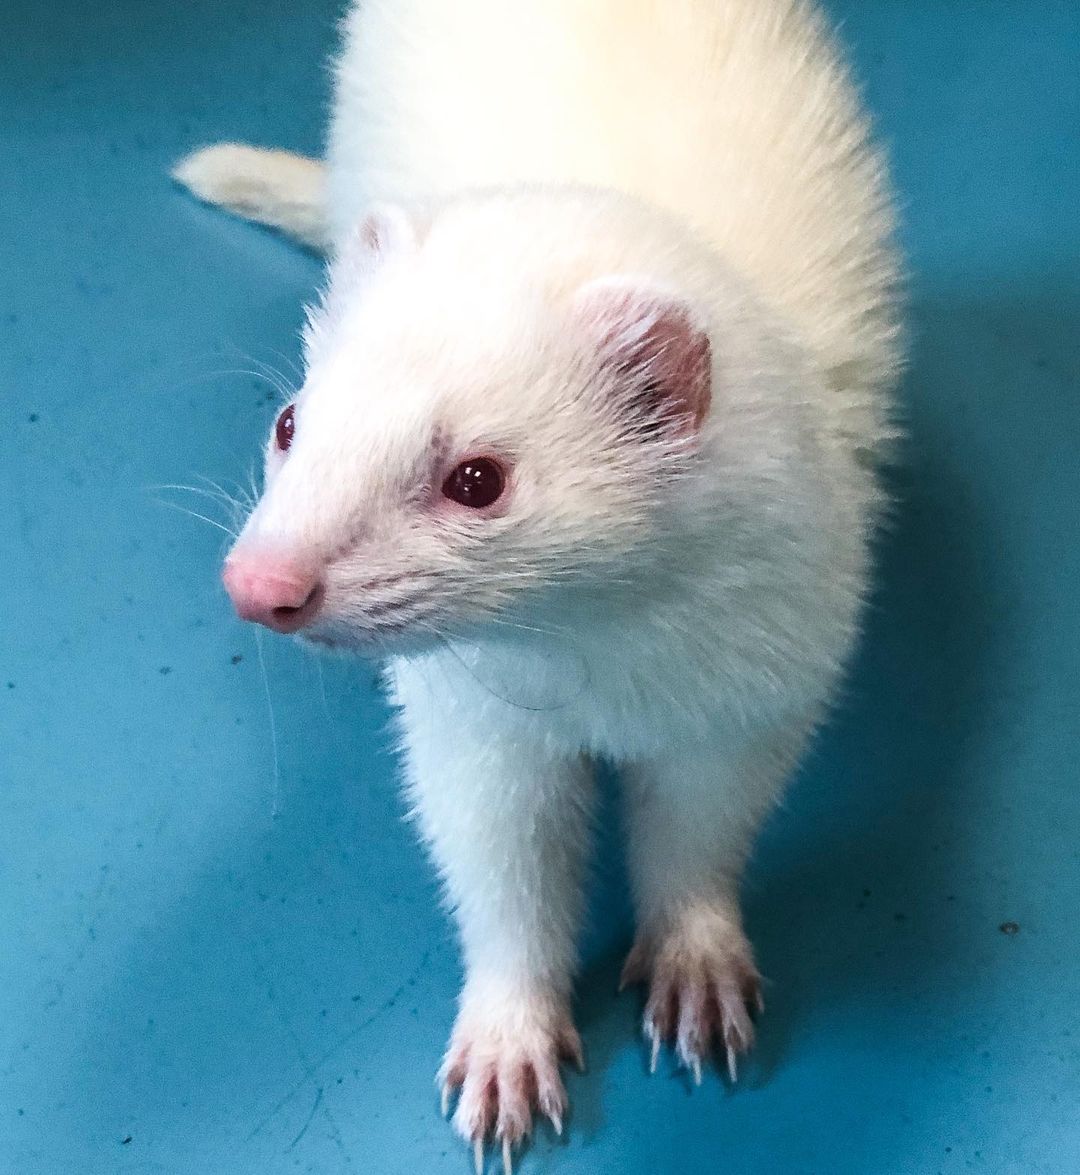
507,825
692,817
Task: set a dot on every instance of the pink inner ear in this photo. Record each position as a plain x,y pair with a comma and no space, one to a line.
657,346
368,234
383,231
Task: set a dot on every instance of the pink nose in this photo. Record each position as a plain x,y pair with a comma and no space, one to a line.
281,594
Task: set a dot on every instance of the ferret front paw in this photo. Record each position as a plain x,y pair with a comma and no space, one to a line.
503,1064
703,988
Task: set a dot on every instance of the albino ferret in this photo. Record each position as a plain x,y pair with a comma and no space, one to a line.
586,450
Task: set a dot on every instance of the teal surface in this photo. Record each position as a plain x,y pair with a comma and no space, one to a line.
220,950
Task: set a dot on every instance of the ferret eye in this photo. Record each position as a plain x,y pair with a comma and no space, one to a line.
477,483
283,430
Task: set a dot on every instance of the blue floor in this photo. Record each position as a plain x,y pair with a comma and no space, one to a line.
220,949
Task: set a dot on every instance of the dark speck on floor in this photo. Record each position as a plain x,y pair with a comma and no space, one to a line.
165,669
235,659
33,418
1009,928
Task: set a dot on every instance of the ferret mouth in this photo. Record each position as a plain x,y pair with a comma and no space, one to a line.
374,628
367,637
377,643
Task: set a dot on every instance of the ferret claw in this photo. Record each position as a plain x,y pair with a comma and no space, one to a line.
655,1055
703,992
503,1081
634,969
571,1048
444,1100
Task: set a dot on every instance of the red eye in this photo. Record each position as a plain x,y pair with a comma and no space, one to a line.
477,482
283,430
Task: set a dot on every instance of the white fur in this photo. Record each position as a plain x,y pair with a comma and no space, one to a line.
272,187
681,600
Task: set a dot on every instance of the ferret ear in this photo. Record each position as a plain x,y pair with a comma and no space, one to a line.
384,231
655,346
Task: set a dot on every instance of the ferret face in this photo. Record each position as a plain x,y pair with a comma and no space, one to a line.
472,446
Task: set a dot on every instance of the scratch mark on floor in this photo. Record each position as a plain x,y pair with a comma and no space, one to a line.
310,1119
311,1068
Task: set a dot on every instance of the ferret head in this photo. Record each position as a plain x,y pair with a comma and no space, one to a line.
502,408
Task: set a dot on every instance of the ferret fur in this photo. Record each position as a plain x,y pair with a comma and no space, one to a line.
509,189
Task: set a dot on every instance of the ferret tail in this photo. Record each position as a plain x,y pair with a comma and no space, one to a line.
275,188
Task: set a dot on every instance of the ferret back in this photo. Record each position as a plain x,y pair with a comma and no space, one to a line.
737,115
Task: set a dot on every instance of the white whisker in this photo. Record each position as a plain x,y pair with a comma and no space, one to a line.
268,372
195,514
290,362
275,809
235,499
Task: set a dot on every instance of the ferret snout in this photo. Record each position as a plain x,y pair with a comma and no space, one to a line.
280,593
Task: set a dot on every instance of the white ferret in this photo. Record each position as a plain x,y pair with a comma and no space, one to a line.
586,451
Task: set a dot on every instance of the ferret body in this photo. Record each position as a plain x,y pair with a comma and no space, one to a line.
586,451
